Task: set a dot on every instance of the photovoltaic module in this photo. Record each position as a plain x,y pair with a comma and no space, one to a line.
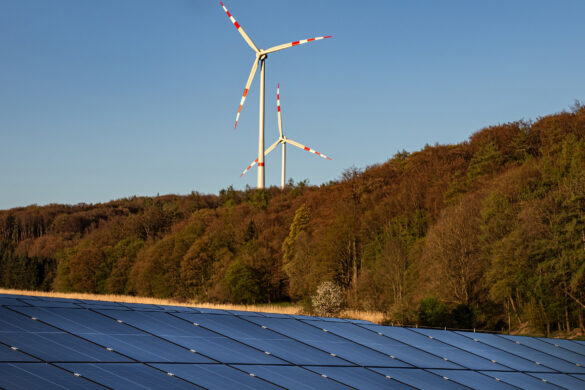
55,343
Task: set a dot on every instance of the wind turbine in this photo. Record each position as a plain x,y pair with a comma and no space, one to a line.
282,140
261,56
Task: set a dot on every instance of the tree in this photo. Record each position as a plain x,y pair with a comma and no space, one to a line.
328,301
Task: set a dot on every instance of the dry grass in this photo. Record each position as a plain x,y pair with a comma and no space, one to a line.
375,317
372,316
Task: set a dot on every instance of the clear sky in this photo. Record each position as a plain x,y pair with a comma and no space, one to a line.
104,99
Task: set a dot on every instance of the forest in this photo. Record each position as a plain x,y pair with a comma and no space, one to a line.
488,233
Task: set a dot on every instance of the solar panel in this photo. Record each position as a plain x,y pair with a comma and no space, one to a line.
30,376
216,376
264,339
79,344
438,348
6,301
540,358
293,377
47,343
359,377
473,345
473,379
125,376
393,348
420,379
566,381
330,343
571,345
117,336
185,333
8,354
521,380
562,353
51,303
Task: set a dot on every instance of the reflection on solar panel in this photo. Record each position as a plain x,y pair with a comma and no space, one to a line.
60,343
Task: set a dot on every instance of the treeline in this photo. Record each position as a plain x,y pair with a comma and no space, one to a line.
488,233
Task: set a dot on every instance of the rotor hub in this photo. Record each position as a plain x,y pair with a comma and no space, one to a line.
263,57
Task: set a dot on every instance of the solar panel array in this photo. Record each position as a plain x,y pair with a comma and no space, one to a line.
81,344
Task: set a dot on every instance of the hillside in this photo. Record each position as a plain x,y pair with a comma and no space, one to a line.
488,233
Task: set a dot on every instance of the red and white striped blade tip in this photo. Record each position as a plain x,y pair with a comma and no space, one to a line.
249,167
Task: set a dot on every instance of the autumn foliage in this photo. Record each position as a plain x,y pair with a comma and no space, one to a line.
488,233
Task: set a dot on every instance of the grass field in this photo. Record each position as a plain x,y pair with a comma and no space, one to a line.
375,317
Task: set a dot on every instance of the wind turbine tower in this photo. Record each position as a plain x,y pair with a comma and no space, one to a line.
260,58
283,141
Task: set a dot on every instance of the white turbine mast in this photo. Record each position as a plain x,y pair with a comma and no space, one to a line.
283,140
261,56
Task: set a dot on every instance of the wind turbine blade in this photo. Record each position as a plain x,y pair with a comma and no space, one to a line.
306,148
291,44
240,29
248,83
278,109
270,149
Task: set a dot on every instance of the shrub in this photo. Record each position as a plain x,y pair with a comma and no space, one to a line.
328,301
432,312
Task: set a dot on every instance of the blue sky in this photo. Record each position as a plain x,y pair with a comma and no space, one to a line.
106,99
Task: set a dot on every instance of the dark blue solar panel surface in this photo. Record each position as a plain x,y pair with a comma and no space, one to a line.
545,347
566,381
293,377
184,333
127,376
40,376
420,379
264,339
538,357
66,343
360,378
48,343
436,347
521,380
571,345
410,355
473,379
8,354
330,343
473,345
216,376
110,333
